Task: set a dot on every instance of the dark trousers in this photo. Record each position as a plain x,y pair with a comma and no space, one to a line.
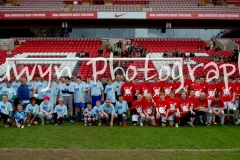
60,120
204,117
4,117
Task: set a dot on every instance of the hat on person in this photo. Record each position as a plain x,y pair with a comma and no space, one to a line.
46,97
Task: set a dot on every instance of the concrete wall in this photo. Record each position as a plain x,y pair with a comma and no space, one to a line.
9,42
226,44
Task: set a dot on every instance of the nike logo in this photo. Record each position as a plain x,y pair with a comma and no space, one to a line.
119,15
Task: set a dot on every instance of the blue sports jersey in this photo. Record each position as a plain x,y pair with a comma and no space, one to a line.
30,86
33,109
97,109
9,91
86,89
2,85
46,107
52,93
79,90
121,107
96,88
90,112
110,93
6,108
118,86
66,87
38,87
15,85
61,110
108,110
22,114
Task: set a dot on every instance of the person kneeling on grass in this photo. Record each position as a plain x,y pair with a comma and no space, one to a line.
6,110
60,112
88,114
121,109
200,108
161,108
20,116
148,110
46,110
137,113
32,110
185,111
97,110
108,111
217,108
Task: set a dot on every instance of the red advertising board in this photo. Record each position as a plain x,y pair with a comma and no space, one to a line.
49,15
192,15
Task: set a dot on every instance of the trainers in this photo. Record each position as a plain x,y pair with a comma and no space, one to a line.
176,125
29,124
48,122
206,122
85,124
89,124
71,121
191,125
237,122
223,125
99,124
124,124
56,124
141,123
214,122
42,123
22,126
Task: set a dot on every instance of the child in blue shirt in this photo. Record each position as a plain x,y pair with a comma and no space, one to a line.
110,92
60,112
6,110
46,110
121,109
32,110
97,110
20,116
88,115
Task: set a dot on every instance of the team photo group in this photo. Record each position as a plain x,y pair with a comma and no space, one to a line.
105,102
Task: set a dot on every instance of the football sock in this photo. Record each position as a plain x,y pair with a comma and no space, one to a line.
79,114
200,118
146,122
237,113
209,119
222,119
213,117
231,118
85,119
177,119
157,121
123,119
225,118
71,117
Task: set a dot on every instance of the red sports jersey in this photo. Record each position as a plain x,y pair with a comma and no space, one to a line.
172,107
145,88
217,104
226,94
167,88
192,100
184,107
162,106
205,85
186,86
237,90
201,103
211,91
148,107
137,107
128,91
198,90
176,85
156,89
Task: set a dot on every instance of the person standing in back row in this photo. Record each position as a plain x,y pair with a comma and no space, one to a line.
119,46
